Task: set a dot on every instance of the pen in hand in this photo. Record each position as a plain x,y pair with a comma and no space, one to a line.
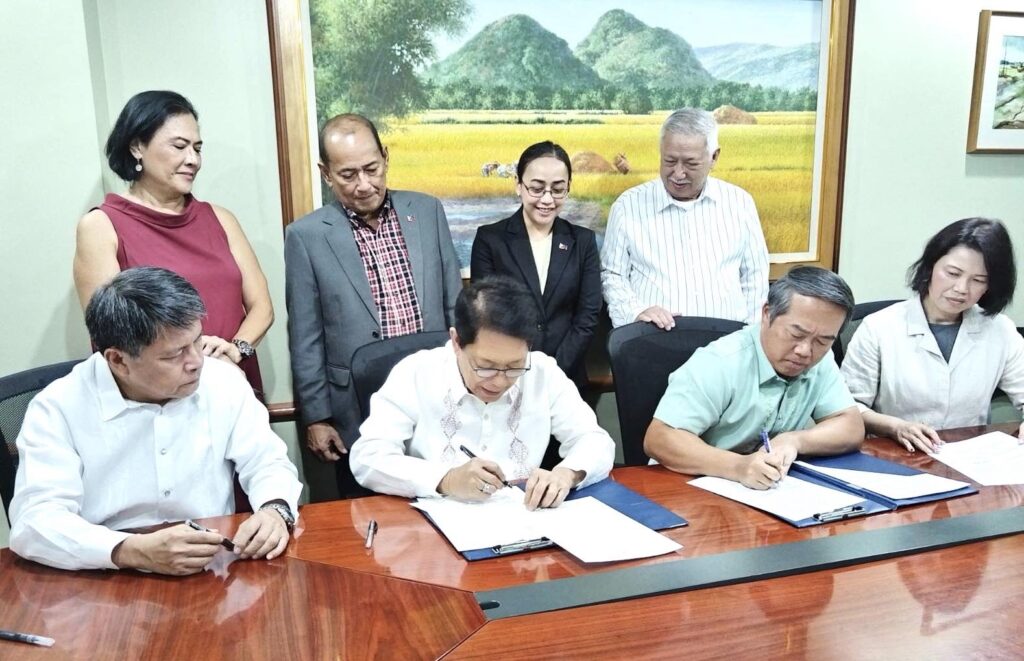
469,453
765,442
224,541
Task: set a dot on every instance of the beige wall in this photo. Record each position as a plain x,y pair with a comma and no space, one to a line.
907,170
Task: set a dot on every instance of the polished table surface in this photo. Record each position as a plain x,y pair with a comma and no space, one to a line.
411,595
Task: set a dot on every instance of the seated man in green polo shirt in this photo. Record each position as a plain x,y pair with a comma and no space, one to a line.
774,379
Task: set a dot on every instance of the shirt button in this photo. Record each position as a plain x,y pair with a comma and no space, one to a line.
167,492
163,451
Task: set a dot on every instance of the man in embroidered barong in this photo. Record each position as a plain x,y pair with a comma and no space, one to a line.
484,391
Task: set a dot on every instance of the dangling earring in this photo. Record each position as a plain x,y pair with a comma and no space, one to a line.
138,165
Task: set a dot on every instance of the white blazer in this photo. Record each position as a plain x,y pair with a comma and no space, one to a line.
894,366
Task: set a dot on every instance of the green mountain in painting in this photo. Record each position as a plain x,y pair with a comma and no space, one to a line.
788,67
516,53
624,50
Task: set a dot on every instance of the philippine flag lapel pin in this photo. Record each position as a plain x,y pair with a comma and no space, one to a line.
562,246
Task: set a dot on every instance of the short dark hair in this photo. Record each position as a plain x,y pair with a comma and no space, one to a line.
497,303
542,150
140,118
811,281
986,235
338,121
132,310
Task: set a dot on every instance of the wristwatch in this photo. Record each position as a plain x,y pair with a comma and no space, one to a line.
244,348
284,511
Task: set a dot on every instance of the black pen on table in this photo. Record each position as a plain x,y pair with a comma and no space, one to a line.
29,638
224,541
469,453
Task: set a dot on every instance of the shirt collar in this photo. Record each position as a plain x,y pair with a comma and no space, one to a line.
917,320
765,372
710,194
356,221
112,402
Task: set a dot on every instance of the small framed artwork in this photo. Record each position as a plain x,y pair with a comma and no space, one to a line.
997,102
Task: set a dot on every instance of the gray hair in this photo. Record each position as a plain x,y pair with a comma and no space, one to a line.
809,281
132,310
693,121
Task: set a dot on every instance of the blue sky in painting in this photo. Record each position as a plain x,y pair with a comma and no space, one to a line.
700,22
1013,49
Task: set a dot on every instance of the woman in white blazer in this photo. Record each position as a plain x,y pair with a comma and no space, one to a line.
934,360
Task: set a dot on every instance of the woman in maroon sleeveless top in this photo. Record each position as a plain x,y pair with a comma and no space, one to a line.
155,147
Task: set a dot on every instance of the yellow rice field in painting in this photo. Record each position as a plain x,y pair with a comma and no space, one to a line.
441,152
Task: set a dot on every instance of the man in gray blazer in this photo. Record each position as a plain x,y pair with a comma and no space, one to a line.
374,264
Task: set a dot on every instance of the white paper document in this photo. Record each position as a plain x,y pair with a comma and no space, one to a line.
793,499
594,532
895,487
990,459
586,527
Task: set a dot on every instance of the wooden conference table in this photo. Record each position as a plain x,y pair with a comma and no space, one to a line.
412,596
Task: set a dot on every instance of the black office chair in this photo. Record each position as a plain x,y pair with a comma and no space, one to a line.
642,358
372,363
860,311
16,391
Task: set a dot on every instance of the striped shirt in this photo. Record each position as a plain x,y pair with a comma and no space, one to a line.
386,261
701,258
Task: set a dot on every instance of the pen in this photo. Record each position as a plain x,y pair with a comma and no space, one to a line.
32,639
224,541
841,513
764,440
525,545
371,530
469,453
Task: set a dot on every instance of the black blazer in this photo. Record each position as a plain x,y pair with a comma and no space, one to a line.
571,301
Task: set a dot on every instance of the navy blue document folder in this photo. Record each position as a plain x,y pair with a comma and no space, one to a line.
620,498
873,502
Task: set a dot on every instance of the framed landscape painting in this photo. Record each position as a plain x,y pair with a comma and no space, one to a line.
460,87
997,101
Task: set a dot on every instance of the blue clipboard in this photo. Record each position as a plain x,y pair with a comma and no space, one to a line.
620,498
873,502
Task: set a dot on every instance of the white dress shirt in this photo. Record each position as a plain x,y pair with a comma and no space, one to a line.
893,366
92,462
423,413
702,258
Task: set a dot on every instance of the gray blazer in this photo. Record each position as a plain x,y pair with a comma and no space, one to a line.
331,312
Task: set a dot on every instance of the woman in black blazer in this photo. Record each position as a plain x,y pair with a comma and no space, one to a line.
557,260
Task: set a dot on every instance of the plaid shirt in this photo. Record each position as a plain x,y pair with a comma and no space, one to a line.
386,262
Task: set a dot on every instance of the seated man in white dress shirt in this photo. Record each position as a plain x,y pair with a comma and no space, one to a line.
144,432
686,243
484,390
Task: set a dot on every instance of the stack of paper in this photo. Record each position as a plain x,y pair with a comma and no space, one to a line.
792,499
895,487
585,527
990,459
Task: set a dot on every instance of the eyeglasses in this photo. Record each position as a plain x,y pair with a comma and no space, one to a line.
557,192
511,373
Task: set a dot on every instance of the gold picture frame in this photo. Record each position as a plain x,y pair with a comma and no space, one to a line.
997,99
287,26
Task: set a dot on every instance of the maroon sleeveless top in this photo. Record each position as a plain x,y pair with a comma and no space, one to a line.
193,245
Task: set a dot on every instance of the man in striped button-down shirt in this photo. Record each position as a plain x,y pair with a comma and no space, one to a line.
686,243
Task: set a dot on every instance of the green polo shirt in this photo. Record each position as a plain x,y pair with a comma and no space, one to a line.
728,391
